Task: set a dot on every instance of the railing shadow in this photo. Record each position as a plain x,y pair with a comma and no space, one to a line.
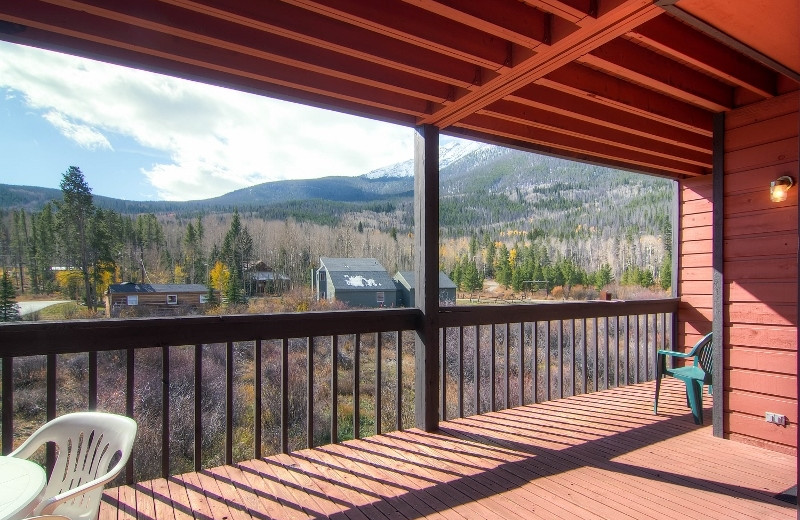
493,465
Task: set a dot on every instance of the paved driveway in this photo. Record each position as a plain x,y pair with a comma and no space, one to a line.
29,307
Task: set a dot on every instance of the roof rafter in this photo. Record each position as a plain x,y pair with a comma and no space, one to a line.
613,24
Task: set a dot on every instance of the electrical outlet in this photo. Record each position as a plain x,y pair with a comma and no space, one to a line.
775,418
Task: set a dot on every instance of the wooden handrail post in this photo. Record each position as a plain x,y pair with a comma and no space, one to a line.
426,265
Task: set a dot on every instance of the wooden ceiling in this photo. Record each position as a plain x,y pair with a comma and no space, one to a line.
626,83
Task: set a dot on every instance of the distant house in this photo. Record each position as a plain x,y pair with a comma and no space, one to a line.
359,282
263,279
405,288
159,299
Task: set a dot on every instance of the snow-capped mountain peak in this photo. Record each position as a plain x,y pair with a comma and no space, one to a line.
448,154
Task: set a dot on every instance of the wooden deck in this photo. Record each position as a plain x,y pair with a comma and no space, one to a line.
602,455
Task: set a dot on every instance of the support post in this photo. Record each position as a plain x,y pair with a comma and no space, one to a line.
426,266
718,235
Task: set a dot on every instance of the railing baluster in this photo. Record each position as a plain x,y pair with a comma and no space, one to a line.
534,361
378,376
258,400
93,380
507,387
627,348
596,370
310,392
584,363
198,406
492,370
607,356
51,407
547,368
8,405
477,370
572,361
616,351
638,347
461,371
285,395
399,357
357,387
165,411
560,359
229,403
663,330
521,372
130,361
646,347
335,389
443,376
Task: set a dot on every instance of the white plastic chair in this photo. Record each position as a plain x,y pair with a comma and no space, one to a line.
86,444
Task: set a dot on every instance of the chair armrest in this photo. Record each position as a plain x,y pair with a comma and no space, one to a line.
673,353
48,506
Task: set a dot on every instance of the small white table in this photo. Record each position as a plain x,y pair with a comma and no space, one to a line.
21,481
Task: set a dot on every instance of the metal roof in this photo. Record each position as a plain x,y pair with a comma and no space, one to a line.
444,281
357,274
130,287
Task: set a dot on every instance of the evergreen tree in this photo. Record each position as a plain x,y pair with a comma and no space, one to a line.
603,277
665,273
9,311
73,216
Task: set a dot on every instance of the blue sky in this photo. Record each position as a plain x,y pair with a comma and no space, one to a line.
143,136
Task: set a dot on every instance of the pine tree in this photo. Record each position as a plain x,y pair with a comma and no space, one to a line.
74,214
9,311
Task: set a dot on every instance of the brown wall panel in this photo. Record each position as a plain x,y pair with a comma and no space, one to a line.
755,404
759,430
765,383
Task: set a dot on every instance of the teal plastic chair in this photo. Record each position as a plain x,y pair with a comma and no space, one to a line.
694,376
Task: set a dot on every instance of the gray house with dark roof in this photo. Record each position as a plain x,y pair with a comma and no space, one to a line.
405,288
359,282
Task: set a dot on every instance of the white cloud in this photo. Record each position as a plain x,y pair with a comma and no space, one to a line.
85,136
217,140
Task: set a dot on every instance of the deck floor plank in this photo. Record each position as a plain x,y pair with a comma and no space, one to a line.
600,455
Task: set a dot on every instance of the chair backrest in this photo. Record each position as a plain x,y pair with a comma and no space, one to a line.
87,443
704,355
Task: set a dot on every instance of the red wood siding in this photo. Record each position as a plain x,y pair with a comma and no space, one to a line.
760,274
694,261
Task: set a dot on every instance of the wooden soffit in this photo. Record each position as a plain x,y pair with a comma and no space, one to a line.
624,83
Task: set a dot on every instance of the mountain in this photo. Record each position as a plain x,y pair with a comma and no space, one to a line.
449,153
481,186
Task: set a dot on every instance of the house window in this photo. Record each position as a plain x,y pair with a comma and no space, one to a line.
172,299
380,296
133,299
203,298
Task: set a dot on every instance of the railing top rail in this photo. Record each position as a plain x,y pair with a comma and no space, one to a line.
63,337
487,314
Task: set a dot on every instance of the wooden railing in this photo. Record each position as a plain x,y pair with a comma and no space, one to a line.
606,344
209,390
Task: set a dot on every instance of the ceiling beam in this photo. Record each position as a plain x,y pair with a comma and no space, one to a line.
195,27
409,24
87,27
598,133
677,40
510,20
636,64
584,108
565,143
622,95
613,24
729,41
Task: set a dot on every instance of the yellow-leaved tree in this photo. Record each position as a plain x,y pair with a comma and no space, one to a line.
219,276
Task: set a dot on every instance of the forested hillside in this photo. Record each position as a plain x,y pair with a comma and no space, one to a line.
506,215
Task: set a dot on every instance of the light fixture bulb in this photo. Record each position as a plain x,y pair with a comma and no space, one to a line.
779,188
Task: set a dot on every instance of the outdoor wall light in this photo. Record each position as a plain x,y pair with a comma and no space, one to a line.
779,188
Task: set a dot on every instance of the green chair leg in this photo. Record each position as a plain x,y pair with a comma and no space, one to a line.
694,393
